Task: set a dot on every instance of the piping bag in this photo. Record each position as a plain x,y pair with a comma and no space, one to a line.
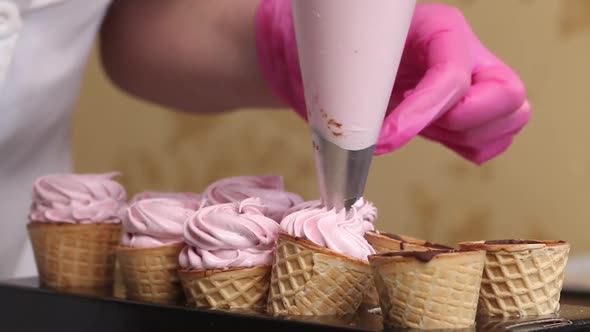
349,53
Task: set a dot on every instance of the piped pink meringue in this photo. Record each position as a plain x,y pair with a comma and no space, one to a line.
191,200
365,209
269,188
340,231
153,222
236,234
368,212
78,198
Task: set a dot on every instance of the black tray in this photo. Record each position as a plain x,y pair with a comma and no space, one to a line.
24,306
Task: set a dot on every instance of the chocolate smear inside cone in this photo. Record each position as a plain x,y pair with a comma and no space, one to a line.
512,242
423,256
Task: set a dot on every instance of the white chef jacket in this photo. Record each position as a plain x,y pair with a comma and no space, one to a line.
44,46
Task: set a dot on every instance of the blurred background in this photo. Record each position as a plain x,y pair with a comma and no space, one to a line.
540,188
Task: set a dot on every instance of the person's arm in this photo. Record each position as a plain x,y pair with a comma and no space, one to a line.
190,55
210,55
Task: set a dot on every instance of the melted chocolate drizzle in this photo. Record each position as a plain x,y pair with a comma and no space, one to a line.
512,242
393,236
437,245
427,244
423,256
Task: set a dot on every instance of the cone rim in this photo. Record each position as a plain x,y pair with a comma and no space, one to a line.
404,238
124,248
514,247
42,224
382,235
387,258
199,273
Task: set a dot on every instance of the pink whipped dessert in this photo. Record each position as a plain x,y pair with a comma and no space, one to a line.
367,212
364,209
78,198
340,231
229,235
269,188
154,222
192,200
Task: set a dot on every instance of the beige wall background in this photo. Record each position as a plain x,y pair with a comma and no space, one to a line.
540,188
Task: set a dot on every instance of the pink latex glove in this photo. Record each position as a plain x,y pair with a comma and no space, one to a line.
449,87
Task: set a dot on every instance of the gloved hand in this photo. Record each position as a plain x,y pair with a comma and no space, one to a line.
449,87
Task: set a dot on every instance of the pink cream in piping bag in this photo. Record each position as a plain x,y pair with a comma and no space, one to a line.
229,235
78,198
154,222
349,53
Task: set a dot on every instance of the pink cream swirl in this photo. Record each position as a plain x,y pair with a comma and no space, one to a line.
190,199
368,212
365,209
269,188
229,235
316,203
78,198
340,231
153,222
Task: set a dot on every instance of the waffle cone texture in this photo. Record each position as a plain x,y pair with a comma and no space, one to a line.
522,279
438,294
151,274
382,243
234,288
76,257
308,279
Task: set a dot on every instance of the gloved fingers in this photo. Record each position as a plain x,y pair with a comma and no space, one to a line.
485,134
496,92
445,82
482,154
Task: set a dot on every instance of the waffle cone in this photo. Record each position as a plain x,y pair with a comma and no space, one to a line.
438,294
384,242
371,299
521,279
308,279
151,274
235,288
75,257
